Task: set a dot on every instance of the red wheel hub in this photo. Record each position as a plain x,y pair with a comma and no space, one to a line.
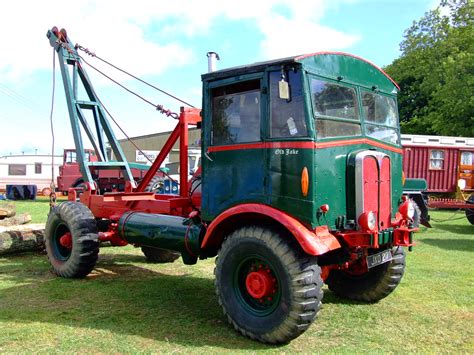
66,240
260,283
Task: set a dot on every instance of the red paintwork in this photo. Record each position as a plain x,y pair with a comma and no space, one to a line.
357,267
325,270
363,221
303,145
315,242
70,173
371,186
449,203
66,240
188,116
324,208
113,204
385,205
112,236
160,158
260,283
401,236
371,142
353,56
416,164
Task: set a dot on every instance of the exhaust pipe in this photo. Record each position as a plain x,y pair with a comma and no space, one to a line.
212,58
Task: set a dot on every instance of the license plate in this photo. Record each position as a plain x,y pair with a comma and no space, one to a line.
379,258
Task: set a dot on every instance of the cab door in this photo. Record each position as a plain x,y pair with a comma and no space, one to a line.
233,148
466,168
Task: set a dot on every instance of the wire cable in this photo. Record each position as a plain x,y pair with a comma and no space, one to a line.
156,106
125,134
52,195
92,54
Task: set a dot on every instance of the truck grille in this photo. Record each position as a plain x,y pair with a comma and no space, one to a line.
373,186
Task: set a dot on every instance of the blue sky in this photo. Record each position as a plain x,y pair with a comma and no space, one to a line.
166,43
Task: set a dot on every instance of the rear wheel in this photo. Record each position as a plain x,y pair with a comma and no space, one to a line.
269,290
157,255
372,285
72,241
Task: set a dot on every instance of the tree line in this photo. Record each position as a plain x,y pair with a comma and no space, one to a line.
436,72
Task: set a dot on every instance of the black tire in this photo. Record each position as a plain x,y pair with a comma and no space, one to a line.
373,285
293,297
470,211
155,185
79,259
157,255
416,216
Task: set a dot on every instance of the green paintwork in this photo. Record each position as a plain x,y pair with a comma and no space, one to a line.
385,236
254,306
334,184
162,231
415,185
351,69
273,176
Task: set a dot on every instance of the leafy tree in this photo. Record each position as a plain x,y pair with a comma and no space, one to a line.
436,72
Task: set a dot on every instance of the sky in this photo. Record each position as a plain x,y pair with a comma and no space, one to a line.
165,42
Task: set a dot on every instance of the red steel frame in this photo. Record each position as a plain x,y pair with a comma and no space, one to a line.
113,205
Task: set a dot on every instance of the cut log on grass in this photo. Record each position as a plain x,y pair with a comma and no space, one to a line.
16,220
18,239
7,211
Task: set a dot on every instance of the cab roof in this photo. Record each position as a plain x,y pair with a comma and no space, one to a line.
336,64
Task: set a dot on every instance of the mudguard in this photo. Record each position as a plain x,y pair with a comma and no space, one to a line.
314,242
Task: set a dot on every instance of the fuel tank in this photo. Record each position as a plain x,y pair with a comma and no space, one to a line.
162,231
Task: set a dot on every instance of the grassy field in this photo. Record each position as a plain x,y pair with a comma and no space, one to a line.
127,305
37,209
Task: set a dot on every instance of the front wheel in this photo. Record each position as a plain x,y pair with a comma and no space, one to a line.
269,289
372,285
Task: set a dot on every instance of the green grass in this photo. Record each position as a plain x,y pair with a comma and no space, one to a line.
37,209
127,305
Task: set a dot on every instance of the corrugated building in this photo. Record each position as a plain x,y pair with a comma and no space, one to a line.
151,144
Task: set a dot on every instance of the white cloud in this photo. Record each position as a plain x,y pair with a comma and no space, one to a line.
122,32
285,37
115,29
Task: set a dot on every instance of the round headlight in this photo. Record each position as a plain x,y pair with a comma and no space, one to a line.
407,209
368,220
410,210
371,220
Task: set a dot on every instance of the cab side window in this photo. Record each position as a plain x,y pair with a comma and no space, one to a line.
287,116
236,113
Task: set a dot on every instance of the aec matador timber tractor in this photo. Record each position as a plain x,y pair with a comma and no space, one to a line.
300,185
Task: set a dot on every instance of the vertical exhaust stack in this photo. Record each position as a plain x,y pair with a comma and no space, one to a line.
212,58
